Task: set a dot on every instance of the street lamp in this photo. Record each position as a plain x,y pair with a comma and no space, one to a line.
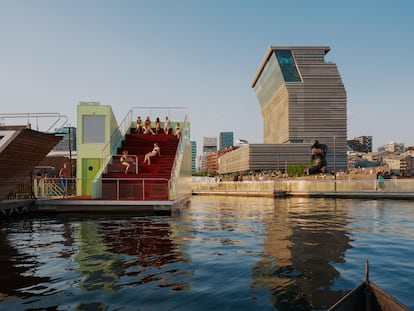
334,142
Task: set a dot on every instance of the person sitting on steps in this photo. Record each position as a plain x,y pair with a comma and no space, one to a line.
139,125
178,130
151,154
157,126
126,160
166,125
147,126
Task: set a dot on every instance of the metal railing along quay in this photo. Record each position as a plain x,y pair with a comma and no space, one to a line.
362,185
232,188
391,188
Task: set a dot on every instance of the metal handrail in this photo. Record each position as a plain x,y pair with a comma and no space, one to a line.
31,115
178,159
43,191
167,111
143,180
117,135
346,185
129,155
226,187
314,186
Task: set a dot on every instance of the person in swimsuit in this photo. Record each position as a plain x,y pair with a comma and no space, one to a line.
147,128
157,126
166,125
139,125
178,130
126,160
151,154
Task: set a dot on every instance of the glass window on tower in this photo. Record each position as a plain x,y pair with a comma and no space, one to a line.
93,129
288,66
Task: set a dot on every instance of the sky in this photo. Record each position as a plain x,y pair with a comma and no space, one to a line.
203,54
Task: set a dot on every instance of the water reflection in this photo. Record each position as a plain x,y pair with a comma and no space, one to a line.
145,243
302,242
220,253
96,255
101,269
16,271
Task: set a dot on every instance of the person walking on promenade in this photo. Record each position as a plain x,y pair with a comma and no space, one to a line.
380,180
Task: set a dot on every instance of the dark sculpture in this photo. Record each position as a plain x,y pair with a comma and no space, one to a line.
318,158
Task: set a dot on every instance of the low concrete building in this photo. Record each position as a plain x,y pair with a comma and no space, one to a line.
259,157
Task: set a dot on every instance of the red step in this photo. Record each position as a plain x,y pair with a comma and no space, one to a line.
131,185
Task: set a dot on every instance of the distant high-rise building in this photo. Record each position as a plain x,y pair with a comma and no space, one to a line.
226,140
209,144
193,156
201,163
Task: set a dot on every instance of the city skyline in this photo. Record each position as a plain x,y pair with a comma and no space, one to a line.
203,55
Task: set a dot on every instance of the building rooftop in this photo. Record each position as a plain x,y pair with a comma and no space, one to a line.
270,49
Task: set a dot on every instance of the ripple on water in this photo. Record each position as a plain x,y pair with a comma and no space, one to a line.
218,254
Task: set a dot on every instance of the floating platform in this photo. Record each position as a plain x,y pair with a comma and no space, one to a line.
79,205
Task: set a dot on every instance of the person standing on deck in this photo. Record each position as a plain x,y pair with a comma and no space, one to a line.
64,175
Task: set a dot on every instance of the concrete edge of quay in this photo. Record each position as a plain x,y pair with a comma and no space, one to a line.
355,195
312,194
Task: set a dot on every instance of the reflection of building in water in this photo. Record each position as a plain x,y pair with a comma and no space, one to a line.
102,268
15,277
148,243
303,239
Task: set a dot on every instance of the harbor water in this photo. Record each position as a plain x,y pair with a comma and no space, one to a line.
218,253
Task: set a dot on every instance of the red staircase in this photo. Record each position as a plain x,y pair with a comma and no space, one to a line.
151,182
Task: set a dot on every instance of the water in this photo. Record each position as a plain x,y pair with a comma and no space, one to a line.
220,253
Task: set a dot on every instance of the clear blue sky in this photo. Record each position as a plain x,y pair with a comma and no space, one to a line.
203,54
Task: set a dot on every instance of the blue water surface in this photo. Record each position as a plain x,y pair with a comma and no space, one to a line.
219,253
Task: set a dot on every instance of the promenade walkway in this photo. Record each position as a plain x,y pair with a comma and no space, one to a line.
355,189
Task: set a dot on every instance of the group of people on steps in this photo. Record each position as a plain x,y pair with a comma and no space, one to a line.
147,129
128,160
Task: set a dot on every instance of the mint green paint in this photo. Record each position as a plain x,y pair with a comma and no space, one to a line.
90,167
94,154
